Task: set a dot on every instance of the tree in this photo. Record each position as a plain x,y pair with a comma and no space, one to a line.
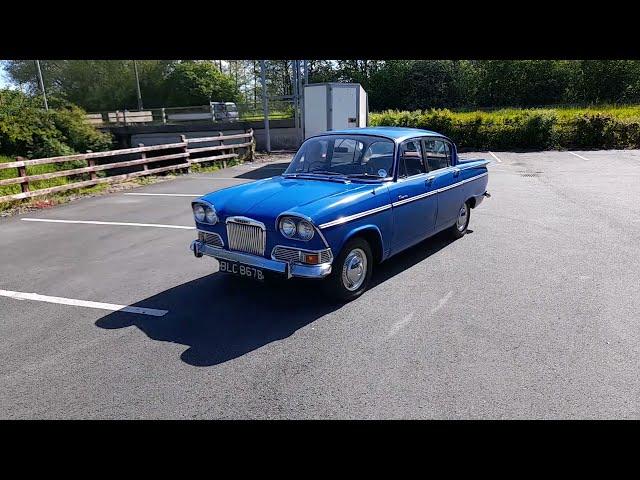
199,82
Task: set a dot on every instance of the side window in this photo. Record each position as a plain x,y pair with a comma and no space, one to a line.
437,153
411,161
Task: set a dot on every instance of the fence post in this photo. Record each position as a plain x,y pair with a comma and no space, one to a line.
183,139
145,166
92,163
252,147
164,117
223,151
22,172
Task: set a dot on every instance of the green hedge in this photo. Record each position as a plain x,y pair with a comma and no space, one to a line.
26,129
535,129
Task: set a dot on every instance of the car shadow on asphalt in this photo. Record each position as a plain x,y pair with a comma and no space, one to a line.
220,317
267,171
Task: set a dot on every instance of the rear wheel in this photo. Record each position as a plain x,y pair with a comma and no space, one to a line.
351,271
459,228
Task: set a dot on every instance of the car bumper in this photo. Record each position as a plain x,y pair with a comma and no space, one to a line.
289,270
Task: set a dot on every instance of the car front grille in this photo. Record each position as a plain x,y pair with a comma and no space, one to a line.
246,237
292,255
212,239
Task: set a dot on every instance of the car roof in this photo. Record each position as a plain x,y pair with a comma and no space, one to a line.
394,133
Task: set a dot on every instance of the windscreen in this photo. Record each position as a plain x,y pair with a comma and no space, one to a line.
349,155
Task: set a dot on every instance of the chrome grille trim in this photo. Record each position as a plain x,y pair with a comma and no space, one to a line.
293,255
246,235
211,238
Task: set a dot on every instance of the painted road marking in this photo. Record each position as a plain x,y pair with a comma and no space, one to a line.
579,156
216,178
494,156
83,303
396,327
126,224
166,194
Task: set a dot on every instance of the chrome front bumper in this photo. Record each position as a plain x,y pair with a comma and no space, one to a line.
290,270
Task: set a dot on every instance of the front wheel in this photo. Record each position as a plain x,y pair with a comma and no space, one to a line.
459,228
351,271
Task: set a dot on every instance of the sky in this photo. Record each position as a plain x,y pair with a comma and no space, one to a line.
4,81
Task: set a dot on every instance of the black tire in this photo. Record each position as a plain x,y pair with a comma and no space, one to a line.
456,230
335,283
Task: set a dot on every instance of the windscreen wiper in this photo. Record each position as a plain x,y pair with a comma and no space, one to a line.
327,172
365,175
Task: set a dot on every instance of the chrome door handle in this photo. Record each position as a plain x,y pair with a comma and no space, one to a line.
402,197
456,172
429,180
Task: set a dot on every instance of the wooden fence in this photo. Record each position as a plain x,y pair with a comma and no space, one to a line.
180,156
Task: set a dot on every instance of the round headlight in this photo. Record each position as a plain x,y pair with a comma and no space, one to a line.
305,230
198,212
288,227
210,215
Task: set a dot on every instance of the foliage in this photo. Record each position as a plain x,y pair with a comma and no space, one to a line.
197,83
100,85
26,129
527,129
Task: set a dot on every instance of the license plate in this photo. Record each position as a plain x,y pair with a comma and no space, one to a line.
241,270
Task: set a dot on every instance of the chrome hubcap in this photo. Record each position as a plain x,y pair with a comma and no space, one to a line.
462,217
354,269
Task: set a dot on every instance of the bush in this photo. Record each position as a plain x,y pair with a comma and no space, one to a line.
26,129
533,129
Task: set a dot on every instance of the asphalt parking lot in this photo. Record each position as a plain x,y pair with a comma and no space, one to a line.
534,314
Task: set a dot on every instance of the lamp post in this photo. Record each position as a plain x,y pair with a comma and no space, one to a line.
135,67
44,94
265,105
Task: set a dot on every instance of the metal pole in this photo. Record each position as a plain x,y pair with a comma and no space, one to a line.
135,67
44,94
296,113
304,78
265,105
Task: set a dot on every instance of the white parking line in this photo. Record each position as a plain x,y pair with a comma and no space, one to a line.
494,156
579,156
126,224
166,194
216,178
83,303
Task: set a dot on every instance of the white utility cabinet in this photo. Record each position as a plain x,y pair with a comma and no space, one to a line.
334,106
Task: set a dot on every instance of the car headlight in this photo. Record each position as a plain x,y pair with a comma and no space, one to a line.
198,212
210,215
305,230
294,227
205,213
288,227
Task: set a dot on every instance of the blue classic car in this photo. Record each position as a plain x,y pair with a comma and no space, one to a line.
349,199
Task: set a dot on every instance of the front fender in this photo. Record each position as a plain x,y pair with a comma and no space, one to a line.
379,224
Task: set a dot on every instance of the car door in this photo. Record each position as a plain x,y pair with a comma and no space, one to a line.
439,156
413,202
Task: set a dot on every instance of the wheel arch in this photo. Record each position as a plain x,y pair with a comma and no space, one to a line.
373,236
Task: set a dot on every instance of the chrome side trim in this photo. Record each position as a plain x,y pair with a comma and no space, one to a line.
350,218
462,182
356,216
412,199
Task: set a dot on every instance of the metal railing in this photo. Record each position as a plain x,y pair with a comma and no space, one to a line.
153,160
